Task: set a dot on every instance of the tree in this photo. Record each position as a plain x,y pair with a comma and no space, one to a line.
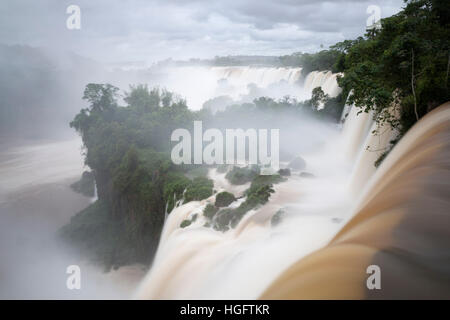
101,96
142,99
318,98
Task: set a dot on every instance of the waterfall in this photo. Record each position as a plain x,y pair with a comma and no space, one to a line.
95,197
261,76
376,143
401,224
199,262
355,130
335,241
199,84
324,79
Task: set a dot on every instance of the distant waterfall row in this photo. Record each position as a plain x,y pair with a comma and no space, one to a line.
265,77
245,83
261,76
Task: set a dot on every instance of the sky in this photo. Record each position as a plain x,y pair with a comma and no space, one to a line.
146,31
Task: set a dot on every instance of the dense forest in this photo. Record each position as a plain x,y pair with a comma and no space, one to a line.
405,63
399,72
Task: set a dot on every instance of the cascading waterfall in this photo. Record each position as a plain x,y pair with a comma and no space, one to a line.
199,84
95,197
261,76
320,223
324,79
199,262
355,130
401,224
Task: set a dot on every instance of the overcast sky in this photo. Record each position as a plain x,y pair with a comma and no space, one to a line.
152,30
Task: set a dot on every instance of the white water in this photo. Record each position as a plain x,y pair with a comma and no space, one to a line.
324,79
199,263
199,84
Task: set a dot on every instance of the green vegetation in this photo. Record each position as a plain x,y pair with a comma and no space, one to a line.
128,150
199,189
257,194
400,71
239,175
224,199
405,63
187,222
320,61
210,210
86,184
101,237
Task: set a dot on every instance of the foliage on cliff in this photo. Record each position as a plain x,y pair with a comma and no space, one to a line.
405,62
86,184
128,150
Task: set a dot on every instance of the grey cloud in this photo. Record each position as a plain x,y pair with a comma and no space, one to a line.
157,29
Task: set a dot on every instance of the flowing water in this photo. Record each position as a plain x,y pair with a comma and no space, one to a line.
200,263
35,201
401,224
348,217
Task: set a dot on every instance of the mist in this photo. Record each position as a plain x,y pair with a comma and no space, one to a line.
42,156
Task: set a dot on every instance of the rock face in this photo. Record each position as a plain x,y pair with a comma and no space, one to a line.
298,163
